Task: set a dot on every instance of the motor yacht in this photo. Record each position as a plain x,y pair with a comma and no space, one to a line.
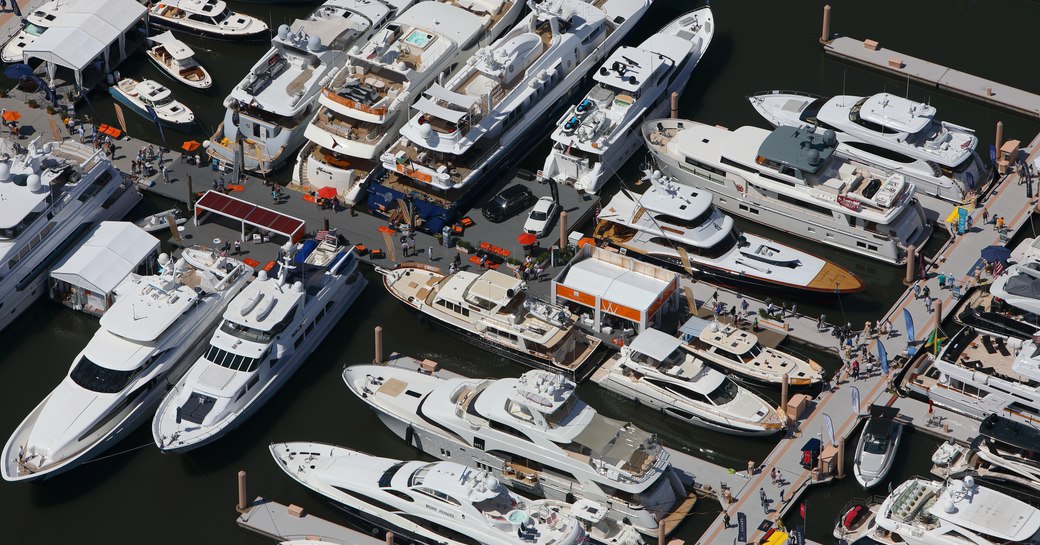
51,195
471,125
147,340
35,24
1009,446
598,135
178,60
494,311
739,351
433,503
877,447
896,133
140,96
363,108
267,332
535,435
679,226
654,370
206,18
790,179
268,110
925,512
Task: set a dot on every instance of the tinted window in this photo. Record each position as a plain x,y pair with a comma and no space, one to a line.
99,379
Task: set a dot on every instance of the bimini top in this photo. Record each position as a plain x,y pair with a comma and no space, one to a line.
655,344
897,113
176,48
799,147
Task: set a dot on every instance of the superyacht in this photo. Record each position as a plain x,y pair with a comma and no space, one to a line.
593,139
51,195
147,340
895,133
433,503
791,179
470,125
535,435
267,333
268,110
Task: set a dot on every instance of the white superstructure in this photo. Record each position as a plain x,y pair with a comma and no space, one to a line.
147,339
534,434
36,23
593,139
51,195
895,133
268,110
792,180
267,333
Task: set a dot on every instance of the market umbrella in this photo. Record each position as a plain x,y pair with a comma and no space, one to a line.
190,145
327,192
995,253
12,116
526,239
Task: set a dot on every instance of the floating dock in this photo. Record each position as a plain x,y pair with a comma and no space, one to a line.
283,523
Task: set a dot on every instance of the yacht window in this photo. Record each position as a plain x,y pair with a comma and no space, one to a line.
855,118
822,210
247,333
882,152
438,494
726,392
100,379
735,164
678,390
388,475
367,499
751,354
812,110
496,425
235,362
400,494
559,416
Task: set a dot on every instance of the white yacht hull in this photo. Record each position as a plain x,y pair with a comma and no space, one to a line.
871,469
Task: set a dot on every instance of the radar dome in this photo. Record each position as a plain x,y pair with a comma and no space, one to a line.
205,144
262,275
34,183
426,130
969,482
48,147
813,156
297,286
181,265
314,43
164,259
283,32
5,172
948,506
830,138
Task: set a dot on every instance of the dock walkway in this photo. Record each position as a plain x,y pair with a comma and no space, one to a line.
274,520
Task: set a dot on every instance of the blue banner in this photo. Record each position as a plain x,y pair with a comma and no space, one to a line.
14,7
909,327
882,357
855,399
155,119
993,153
962,219
799,536
741,527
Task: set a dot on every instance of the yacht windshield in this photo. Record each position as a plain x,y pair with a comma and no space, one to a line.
33,29
559,416
876,445
100,379
245,333
388,475
751,354
726,392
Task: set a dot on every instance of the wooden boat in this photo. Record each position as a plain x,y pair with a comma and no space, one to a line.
178,60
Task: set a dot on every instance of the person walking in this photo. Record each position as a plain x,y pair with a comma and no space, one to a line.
985,216
917,291
765,500
404,247
928,304
855,369
926,292
725,519
238,247
166,173
772,475
942,280
429,253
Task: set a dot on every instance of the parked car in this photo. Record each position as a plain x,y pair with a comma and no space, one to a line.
543,215
507,203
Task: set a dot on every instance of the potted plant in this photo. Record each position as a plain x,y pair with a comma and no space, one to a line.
3,93
50,110
463,246
32,103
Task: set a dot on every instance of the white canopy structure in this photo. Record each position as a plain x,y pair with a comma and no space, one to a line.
86,279
83,35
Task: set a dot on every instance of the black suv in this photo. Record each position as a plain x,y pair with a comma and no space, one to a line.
507,203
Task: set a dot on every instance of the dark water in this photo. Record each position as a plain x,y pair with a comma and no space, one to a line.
136,493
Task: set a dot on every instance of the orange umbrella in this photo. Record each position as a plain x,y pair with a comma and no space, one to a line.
12,116
327,192
526,239
190,145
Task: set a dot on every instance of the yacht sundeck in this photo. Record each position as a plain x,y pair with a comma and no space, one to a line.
877,447
268,331
791,179
147,339
533,434
895,133
593,139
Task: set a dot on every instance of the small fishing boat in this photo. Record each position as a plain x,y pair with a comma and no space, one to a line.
877,446
208,18
160,220
178,60
139,95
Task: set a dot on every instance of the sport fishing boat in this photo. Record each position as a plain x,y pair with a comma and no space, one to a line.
877,447
494,311
139,96
268,331
593,139
268,110
737,351
654,370
367,102
51,195
206,18
178,60
535,435
895,133
790,179
922,512
470,126
441,502
147,340
678,226
35,24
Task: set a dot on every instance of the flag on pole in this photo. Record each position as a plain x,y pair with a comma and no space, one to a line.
998,268
155,119
828,426
882,357
935,340
855,400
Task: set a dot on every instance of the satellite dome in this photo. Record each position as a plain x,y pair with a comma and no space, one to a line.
164,259
425,130
181,265
34,183
813,156
5,172
969,482
283,32
262,275
830,138
297,286
948,506
314,43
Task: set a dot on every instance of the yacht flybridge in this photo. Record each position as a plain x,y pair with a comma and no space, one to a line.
147,339
679,226
267,333
442,503
50,196
593,139
533,434
895,133
792,180
654,370
269,109
468,126
366,103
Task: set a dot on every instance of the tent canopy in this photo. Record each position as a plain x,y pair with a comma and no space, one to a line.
84,30
112,252
617,284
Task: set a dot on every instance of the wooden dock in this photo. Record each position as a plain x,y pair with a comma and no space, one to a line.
278,522
869,53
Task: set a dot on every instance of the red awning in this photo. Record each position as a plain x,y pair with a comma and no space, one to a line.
250,214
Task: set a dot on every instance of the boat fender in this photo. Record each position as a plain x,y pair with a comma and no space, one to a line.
409,434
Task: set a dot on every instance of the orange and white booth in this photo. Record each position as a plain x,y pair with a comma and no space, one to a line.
615,289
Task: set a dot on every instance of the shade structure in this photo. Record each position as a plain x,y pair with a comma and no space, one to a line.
327,192
995,253
190,145
12,116
249,214
526,239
